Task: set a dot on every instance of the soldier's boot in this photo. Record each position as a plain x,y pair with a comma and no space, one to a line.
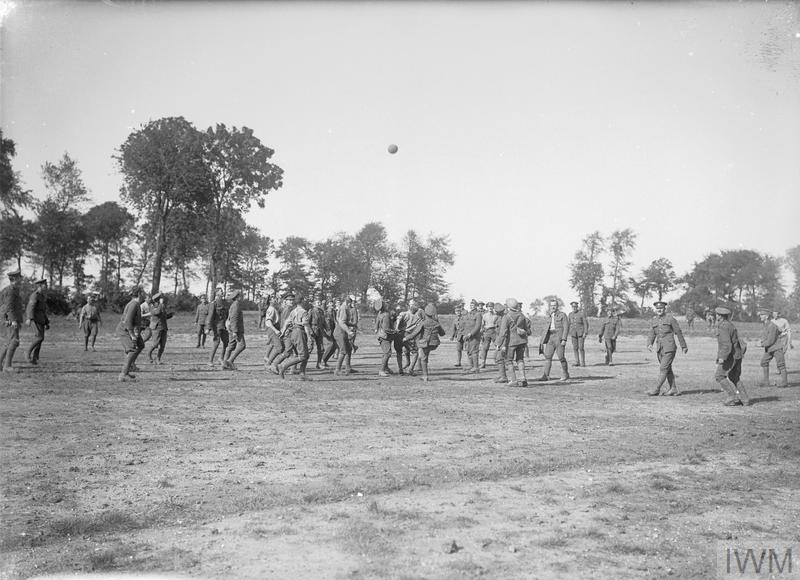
783,381
424,365
459,353
338,368
407,366
287,364
400,364
521,366
512,378
673,387
8,366
126,368
564,371
583,358
729,388
741,392
546,370
347,368
476,366
214,352
764,377
412,366
577,357
502,377
662,377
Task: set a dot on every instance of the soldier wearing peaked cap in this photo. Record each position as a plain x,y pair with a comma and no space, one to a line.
472,337
89,321
773,348
11,314
129,331
235,326
578,331
729,360
298,328
458,333
427,337
37,317
282,347
383,328
663,330
490,320
609,331
159,327
499,353
200,316
216,323
554,340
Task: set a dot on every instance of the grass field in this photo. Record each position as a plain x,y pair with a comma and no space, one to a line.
210,473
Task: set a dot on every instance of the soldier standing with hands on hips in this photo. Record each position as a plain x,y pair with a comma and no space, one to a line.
663,330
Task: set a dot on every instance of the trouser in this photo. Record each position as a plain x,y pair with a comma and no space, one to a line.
473,352
10,346
411,352
132,348
459,350
201,335
316,335
424,354
611,348
220,336
345,345
235,347
275,347
159,344
90,328
386,353
330,349
515,359
780,360
578,350
728,375
554,347
489,336
36,345
665,360
299,347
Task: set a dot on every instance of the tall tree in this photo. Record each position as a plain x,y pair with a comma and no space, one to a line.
660,276
793,261
241,174
109,226
372,250
586,271
15,231
620,245
163,170
424,264
255,253
294,272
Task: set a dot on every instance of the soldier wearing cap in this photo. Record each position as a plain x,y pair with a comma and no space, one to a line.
427,335
554,340
283,344
159,327
785,330
317,316
272,324
36,314
511,341
200,316
263,304
129,331
773,348
11,313
329,325
89,321
298,328
609,331
458,333
578,330
729,360
411,320
216,323
385,332
663,330
344,332
489,323
354,318
472,337
235,326
499,353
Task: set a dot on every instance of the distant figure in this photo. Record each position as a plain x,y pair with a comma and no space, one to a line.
773,348
609,332
458,333
554,342
200,316
690,315
427,337
158,327
235,326
37,317
711,319
785,330
511,341
129,331
89,321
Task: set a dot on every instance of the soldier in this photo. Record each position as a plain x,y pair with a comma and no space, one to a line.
129,331
458,333
609,332
511,341
11,314
344,332
785,330
298,329
472,337
499,353
411,320
263,304
158,327
427,337
235,326
37,316
383,328
773,348
272,328
329,325
285,335
144,309
217,317
317,316
710,318
489,322
554,341
729,360
663,329
578,331
200,316
89,321
690,316
397,324
354,317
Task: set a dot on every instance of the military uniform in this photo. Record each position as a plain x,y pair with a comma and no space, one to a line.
578,330
411,320
235,325
89,322
511,341
553,343
159,328
472,337
385,332
217,317
663,330
200,316
11,314
329,325
458,335
298,329
427,335
609,332
490,320
773,348
729,360
129,331
36,313
344,333
317,319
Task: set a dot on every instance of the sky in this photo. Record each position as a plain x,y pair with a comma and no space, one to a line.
521,126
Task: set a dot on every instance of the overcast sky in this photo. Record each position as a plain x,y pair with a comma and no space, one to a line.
521,126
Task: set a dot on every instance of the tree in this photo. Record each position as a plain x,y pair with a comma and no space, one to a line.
536,306
293,275
64,183
424,263
109,226
334,265
660,277
793,261
620,244
14,229
255,252
241,175
163,170
15,236
586,271
372,249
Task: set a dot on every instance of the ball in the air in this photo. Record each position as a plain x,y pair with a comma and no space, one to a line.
392,148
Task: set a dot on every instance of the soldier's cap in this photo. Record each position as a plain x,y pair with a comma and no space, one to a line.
512,303
473,302
659,303
722,310
288,295
430,310
481,304
378,304
15,273
490,305
157,295
573,303
233,294
499,308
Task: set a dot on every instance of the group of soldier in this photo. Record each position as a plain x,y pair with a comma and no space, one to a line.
296,327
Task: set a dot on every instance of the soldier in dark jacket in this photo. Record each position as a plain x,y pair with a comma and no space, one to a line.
200,317
89,321
554,342
511,342
472,337
427,337
663,330
458,333
217,317
773,348
129,331
578,331
235,327
159,327
11,314
729,360
36,314
609,332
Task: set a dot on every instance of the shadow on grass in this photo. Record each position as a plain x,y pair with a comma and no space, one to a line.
699,392
759,400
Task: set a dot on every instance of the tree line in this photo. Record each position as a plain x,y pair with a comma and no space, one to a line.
185,196
744,280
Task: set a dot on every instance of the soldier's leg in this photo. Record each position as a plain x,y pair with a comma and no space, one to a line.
423,360
766,358
398,351
332,347
286,341
735,377
665,362
277,349
414,354
95,330
780,358
511,371
484,352
241,345
582,350
562,358
162,344
36,344
11,347
320,345
576,350
459,351
502,376
87,331
199,334
549,351
215,342
521,366
154,345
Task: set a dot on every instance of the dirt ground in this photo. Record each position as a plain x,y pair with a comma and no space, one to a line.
200,472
